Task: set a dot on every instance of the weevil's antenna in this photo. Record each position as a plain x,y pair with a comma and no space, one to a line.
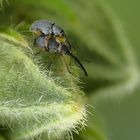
80,64
66,65
68,52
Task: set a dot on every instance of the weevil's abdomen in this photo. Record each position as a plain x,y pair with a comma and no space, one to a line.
44,26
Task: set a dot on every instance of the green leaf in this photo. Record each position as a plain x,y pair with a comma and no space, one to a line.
31,103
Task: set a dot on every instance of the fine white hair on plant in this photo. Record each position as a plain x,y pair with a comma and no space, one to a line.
32,103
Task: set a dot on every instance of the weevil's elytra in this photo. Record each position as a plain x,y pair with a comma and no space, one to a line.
52,38
47,27
44,26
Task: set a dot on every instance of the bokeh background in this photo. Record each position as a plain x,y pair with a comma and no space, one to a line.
123,117
110,42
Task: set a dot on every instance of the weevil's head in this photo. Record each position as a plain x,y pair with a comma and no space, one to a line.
59,34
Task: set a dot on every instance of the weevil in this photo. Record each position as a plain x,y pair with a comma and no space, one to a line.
52,38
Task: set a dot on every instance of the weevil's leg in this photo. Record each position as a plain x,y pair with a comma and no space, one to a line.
80,64
59,49
41,49
34,38
38,53
34,41
46,42
64,60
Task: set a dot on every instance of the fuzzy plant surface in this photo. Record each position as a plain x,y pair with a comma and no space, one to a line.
31,103
97,36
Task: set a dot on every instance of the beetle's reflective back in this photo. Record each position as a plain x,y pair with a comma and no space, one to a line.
44,26
47,27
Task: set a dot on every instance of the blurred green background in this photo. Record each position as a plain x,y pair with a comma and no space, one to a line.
112,86
123,117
